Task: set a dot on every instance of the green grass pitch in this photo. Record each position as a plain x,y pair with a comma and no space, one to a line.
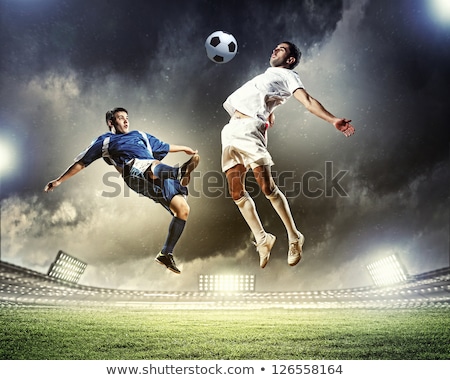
76,333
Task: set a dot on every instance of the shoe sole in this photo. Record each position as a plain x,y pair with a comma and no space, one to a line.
190,167
169,268
300,257
263,265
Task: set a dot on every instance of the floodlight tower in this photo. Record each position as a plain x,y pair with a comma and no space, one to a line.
387,271
226,283
67,268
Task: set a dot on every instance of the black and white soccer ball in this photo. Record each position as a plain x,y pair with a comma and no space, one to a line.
221,47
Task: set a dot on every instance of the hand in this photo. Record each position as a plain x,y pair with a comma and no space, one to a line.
190,151
345,127
51,185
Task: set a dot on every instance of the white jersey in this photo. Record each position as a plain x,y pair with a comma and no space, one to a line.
261,95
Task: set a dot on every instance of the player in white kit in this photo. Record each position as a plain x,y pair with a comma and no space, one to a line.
244,144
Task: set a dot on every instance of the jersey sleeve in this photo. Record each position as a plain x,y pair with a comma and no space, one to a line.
159,148
91,153
294,82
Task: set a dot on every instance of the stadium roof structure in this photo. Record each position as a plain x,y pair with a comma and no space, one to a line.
23,287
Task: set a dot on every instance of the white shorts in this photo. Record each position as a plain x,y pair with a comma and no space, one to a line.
244,141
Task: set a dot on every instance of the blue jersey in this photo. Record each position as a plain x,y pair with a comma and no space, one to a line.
119,149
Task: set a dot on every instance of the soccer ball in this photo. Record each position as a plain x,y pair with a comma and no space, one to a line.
221,47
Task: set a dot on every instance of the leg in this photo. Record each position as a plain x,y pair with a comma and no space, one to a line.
180,207
236,186
180,210
280,204
159,170
247,207
170,194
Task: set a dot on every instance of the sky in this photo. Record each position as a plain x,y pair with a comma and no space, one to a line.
383,64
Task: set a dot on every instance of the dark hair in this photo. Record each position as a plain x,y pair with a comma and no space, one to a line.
294,52
110,115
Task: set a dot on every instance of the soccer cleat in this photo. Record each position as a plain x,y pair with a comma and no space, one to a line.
168,261
264,249
295,250
184,174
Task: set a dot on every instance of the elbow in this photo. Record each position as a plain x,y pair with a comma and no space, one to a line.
310,108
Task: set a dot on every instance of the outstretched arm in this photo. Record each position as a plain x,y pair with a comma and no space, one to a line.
70,172
182,148
317,109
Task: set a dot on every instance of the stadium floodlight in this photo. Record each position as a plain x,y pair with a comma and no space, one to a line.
66,268
226,283
387,271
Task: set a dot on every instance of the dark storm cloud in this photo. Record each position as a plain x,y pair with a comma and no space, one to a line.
112,35
380,63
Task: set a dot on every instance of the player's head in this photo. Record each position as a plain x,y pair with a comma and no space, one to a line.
286,55
117,120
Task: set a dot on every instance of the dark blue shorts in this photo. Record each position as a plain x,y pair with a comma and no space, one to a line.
160,191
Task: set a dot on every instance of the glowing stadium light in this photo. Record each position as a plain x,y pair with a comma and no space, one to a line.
387,271
7,158
226,283
66,268
440,10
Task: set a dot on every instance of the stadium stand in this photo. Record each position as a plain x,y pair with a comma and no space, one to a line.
23,287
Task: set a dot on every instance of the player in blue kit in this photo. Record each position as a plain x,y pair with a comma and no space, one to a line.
137,157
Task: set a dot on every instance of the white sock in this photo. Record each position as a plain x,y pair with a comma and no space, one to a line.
247,208
281,206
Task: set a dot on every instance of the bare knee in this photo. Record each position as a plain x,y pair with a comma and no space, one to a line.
236,194
267,189
265,180
180,208
236,178
183,212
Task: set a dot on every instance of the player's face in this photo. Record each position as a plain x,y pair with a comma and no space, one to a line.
121,123
280,56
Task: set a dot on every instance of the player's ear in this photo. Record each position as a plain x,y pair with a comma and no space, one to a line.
111,126
290,61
